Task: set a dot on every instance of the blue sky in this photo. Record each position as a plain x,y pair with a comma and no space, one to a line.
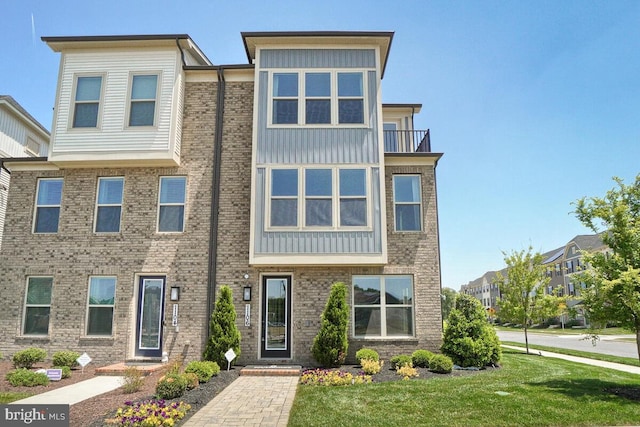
535,104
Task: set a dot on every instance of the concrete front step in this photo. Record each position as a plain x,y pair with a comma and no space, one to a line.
271,370
119,369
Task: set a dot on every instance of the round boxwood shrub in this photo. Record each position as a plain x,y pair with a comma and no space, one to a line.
401,360
171,386
66,371
66,358
440,364
421,358
204,370
29,357
367,353
26,378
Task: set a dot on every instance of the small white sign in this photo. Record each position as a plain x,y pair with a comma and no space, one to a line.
174,318
230,355
83,360
54,374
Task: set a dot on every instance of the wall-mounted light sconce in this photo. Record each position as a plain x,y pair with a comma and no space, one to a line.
246,293
175,293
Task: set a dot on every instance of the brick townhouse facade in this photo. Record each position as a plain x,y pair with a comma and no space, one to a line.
169,176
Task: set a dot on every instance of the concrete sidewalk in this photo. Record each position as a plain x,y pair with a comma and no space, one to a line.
583,360
75,393
250,401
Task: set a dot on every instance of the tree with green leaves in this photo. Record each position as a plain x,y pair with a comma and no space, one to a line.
448,301
331,343
612,292
223,332
522,290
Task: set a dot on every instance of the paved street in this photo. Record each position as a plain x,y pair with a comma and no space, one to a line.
606,345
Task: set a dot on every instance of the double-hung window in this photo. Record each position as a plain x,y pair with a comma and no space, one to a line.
109,205
318,197
407,200
37,308
353,197
285,98
102,293
87,101
284,198
350,98
48,200
143,100
382,306
317,91
172,203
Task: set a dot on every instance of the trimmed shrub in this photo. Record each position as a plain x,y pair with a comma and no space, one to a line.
421,358
371,367
29,357
401,360
223,332
330,345
66,358
66,371
440,364
203,370
367,353
469,339
133,380
192,380
26,378
171,386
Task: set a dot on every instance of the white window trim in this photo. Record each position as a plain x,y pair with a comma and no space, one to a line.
35,210
301,98
72,110
383,308
420,203
184,205
89,305
99,205
335,199
132,74
25,306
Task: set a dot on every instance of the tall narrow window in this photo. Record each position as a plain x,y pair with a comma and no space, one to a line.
407,202
48,201
109,205
172,203
102,292
284,198
353,197
37,306
317,92
87,102
143,100
350,98
285,98
318,194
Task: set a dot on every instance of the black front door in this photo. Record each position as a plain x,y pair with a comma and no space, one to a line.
150,316
276,317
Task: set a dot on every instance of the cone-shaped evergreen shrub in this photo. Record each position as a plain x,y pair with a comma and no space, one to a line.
330,345
223,332
469,339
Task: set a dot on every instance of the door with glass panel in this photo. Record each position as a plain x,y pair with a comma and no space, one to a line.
150,316
276,317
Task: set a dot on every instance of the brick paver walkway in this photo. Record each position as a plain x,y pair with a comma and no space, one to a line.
249,401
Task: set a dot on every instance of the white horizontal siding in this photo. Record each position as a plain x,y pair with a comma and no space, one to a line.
13,136
112,133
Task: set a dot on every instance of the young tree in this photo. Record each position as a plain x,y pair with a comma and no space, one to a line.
223,332
330,345
612,292
522,289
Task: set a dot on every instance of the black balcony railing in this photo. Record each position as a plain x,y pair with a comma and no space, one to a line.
407,141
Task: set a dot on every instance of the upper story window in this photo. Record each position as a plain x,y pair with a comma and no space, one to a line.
407,201
317,98
143,100
172,200
48,200
331,198
109,205
88,91
37,306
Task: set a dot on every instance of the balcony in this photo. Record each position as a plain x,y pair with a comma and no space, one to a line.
407,141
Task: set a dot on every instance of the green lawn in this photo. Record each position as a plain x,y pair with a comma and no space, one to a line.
8,397
567,331
542,392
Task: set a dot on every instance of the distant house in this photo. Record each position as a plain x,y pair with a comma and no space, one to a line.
169,176
20,136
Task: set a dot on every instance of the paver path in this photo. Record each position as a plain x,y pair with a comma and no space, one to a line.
249,401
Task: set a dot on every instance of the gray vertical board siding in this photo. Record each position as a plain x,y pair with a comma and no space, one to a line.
316,242
317,58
